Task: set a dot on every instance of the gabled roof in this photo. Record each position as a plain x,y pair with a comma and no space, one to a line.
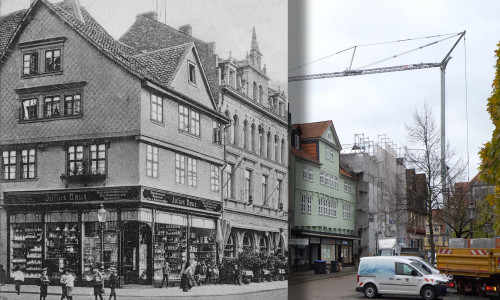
8,26
125,55
163,64
313,130
147,34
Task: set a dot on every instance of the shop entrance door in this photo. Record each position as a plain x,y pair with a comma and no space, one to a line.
137,260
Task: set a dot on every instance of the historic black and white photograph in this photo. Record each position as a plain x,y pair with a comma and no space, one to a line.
145,149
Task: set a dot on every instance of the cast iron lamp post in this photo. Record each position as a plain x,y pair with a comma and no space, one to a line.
101,216
472,215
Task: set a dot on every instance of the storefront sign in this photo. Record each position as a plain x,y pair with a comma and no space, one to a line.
97,194
314,240
328,241
160,196
300,242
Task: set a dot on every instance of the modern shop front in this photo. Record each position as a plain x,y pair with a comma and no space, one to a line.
307,247
143,229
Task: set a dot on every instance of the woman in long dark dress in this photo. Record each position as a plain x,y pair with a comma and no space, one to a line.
186,277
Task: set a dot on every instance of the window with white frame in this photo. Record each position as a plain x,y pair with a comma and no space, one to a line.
264,190
334,209
336,182
214,178
229,181
86,160
304,172
186,170
248,185
323,206
321,177
156,108
306,204
26,158
347,187
151,161
346,208
192,73
320,206
330,208
189,120
311,174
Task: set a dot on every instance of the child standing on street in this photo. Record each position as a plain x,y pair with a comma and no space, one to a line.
18,276
64,290
166,273
44,283
70,283
113,282
98,281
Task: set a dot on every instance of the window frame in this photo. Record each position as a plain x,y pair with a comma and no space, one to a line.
33,67
17,167
156,108
214,178
189,123
265,190
152,161
186,170
248,185
35,114
11,166
191,73
52,103
52,50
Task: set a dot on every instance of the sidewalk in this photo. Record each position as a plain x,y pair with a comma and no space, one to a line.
299,277
133,291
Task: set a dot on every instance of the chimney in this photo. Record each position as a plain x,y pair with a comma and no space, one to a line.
186,29
153,15
78,10
211,47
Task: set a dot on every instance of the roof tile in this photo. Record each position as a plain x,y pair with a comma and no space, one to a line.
313,130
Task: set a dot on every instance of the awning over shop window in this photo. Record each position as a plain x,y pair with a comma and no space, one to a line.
25,218
200,222
140,214
164,217
57,217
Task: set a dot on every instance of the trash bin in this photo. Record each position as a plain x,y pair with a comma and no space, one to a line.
335,265
319,266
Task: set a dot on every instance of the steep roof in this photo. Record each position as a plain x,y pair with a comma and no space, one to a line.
163,64
147,34
313,130
304,155
8,26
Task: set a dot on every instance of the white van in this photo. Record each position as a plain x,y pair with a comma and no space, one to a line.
397,275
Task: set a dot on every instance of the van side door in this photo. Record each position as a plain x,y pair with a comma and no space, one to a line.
408,279
385,277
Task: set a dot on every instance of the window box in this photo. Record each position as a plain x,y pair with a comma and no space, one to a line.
82,177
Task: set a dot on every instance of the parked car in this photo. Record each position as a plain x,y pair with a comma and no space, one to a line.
399,275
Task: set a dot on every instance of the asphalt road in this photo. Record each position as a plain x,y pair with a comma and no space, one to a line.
344,288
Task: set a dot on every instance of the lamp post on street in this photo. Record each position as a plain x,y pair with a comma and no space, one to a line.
101,216
472,215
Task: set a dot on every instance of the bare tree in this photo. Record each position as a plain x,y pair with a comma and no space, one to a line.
425,157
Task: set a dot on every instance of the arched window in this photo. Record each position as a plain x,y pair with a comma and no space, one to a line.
247,242
276,148
283,151
254,139
229,251
228,130
262,142
261,94
263,244
236,135
245,135
255,91
269,145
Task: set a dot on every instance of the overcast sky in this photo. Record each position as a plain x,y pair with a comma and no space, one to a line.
227,22
383,103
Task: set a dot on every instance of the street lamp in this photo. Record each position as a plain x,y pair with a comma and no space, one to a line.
471,210
101,216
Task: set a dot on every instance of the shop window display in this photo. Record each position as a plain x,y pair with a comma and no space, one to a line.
63,247
202,244
169,245
27,244
92,246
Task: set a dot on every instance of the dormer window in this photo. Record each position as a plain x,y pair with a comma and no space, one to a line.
192,73
42,56
53,60
297,142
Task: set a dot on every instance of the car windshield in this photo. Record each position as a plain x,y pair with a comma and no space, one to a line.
417,265
428,265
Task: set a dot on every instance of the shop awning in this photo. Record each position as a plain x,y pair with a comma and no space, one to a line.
323,234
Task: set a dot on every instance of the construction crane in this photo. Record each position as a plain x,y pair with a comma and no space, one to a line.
441,65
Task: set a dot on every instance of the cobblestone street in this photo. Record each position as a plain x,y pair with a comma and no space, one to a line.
276,290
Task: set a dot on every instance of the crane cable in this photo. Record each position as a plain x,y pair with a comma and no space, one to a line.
378,43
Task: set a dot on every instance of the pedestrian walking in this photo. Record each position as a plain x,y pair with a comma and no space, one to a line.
237,274
210,271
64,290
18,276
44,284
70,283
186,277
113,282
98,281
197,273
166,274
